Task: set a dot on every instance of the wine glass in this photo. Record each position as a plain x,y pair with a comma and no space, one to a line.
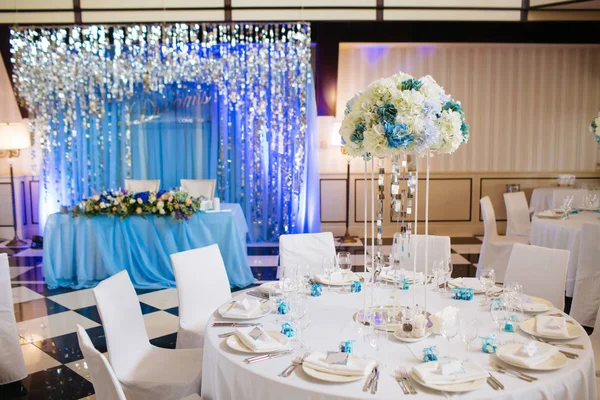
379,332
329,267
498,312
364,327
276,297
300,320
487,280
438,270
289,279
303,276
468,330
448,268
449,328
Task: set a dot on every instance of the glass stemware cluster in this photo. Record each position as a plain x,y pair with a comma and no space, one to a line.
442,273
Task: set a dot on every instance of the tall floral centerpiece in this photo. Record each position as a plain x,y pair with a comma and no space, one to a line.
393,117
595,127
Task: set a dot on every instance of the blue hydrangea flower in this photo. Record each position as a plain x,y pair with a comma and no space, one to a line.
411,84
387,113
142,195
359,133
160,193
453,106
398,136
464,128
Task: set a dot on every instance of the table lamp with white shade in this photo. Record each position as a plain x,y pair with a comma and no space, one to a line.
13,138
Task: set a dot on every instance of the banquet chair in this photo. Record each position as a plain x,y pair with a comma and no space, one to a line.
145,371
138,185
586,295
106,384
495,249
199,187
438,249
517,214
12,364
541,271
308,248
202,286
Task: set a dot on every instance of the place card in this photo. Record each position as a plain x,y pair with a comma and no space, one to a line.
256,333
337,358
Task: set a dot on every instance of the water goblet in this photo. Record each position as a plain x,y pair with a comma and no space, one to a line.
468,330
487,280
438,270
449,329
329,267
498,312
344,260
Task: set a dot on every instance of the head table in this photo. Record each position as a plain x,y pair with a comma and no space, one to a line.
226,376
80,252
563,234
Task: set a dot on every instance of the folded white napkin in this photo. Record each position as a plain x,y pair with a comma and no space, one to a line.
263,343
521,357
551,326
431,373
266,287
439,317
546,214
533,306
338,277
472,283
357,366
244,308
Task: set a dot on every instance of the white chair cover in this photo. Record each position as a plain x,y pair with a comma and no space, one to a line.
307,248
496,249
586,295
541,271
138,185
439,249
517,213
595,338
146,372
106,384
202,285
199,187
12,364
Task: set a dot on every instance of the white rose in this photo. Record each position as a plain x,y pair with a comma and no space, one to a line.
131,201
160,204
162,211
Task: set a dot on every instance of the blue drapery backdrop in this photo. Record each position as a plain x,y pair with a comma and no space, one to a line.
189,131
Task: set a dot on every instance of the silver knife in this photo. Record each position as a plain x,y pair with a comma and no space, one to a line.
375,382
235,324
368,381
265,357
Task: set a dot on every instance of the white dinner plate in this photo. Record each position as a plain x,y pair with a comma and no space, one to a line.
349,277
324,376
468,283
549,216
261,311
236,344
452,387
528,326
398,335
538,300
409,274
557,361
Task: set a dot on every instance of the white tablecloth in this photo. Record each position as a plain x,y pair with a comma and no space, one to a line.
562,234
226,376
541,198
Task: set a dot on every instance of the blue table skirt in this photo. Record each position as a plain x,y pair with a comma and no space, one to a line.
80,252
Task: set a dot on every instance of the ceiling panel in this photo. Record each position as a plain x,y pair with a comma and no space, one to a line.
454,3
595,4
304,15
36,4
450,15
563,15
303,3
67,17
151,16
150,3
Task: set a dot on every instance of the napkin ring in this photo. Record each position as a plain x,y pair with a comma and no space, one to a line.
463,293
288,330
489,344
430,354
356,287
282,309
346,347
316,290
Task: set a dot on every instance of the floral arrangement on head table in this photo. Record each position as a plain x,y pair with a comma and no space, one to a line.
595,127
177,204
403,114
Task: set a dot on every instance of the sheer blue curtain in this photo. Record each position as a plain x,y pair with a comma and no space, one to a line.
189,131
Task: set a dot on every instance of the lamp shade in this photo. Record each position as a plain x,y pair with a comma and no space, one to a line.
14,136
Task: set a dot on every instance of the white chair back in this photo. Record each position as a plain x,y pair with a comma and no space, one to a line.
586,295
139,185
490,231
309,248
106,384
438,249
199,187
517,213
541,271
119,308
202,286
12,364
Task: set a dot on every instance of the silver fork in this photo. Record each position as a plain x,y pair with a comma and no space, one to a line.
400,381
295,363
407,380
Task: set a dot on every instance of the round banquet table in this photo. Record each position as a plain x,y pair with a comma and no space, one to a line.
541,198
562,234
226,376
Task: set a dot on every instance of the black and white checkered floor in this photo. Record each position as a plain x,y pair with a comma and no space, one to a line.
46,319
